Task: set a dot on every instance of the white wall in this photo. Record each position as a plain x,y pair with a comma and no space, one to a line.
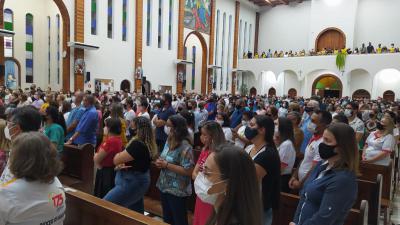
159,63
377,22
40,9
285,27
308,69
325,14
115,58
387,79
360,79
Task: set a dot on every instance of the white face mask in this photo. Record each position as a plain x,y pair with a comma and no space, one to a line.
105,131
220,122
311,127
244,123
348,112
167,130
7,133
201,186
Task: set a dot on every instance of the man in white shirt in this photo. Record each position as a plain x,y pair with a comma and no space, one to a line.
23,119
356,123
320,120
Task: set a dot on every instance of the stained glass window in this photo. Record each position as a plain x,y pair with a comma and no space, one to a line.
148,23
171,8
49,48
160,15
8,25
124,19
94,17
184,71
216,50
221,82
194,66
58,48
110,19
29,48
240,39
228,61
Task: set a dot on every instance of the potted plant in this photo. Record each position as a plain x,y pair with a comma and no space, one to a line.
341,59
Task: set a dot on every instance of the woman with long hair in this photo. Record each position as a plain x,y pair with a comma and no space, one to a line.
223,120
331,189
211,137
55,128
284,139
176,164
260,132
133,167
117,111
103,159
380,143
229,183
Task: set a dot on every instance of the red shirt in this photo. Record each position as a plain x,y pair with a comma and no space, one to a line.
112,146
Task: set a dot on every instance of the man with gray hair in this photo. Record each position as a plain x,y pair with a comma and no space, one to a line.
309,109
75,115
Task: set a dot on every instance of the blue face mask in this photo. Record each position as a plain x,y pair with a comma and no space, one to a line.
250,133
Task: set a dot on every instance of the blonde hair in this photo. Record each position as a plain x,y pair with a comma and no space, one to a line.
389,126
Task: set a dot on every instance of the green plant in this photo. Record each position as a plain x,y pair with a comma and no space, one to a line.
244,90
341,60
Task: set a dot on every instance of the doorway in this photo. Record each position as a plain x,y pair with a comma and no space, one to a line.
388,96
253,91
327,85
330,39
271,92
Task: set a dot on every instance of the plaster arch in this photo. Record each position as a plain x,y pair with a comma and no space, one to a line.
359,79
385,80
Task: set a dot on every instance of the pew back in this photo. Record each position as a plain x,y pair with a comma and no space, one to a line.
85,209
370,191
288,206
370,172
78,169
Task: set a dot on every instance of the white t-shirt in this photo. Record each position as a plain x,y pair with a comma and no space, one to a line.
311,156
145,114
377,145
228,134
32,203
287,153
238,142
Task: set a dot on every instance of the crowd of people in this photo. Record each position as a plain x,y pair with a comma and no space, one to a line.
370,49
250,149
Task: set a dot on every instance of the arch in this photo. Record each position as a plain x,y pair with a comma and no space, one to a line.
292,93
18,66
389,95
66,38
125,85
272,92
253,91
330,38
204,60
327,85
361,94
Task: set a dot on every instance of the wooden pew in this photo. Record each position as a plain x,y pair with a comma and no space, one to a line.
370,172
78,169
85,209
288,206
372,192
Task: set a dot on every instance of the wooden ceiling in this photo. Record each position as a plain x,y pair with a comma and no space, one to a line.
273,3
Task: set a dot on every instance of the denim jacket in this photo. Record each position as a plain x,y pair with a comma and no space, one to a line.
326,198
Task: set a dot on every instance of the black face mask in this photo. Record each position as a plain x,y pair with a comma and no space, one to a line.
250,133
326,151
238,107
379,126
133,132
308,109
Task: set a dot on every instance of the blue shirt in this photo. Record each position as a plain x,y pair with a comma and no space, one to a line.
74,115
327,199
87,127
307,134
236,117
211,107
164,115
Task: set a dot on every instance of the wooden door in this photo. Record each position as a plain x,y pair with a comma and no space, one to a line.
292,92
272,92
388,96
331,39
